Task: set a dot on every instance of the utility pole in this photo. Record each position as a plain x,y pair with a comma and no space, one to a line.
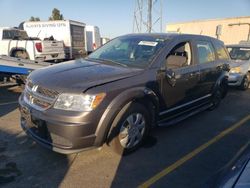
147,16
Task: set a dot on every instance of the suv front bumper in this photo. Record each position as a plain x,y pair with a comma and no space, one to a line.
54,133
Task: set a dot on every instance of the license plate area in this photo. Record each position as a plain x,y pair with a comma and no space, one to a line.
34,125
39,127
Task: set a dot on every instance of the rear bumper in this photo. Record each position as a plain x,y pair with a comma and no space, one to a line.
235,79
56,135
50,57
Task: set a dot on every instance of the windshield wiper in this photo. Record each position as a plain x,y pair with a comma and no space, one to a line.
108,60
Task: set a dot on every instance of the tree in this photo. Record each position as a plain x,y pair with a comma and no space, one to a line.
32,19
56,15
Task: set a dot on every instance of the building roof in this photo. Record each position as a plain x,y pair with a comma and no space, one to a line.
214,19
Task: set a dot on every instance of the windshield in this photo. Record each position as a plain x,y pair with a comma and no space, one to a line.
239,53
130,51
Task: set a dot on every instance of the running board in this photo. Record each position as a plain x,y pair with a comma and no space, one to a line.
181,118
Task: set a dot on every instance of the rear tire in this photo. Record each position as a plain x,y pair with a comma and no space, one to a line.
131,129
245,82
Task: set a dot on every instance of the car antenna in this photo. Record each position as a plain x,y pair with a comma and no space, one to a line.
38,33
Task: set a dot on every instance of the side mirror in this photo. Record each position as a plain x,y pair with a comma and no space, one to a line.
170,74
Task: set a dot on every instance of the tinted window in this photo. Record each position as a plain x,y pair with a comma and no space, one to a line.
14,34
205,52
180,56
221,51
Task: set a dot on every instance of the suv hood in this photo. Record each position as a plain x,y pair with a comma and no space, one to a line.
79,75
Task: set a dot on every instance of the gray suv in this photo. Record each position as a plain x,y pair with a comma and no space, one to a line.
122,90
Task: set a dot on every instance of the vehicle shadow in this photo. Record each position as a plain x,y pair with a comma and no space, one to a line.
172,143
22,162
9,99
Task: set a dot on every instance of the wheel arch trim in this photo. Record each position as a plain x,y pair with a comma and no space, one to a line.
116,105
18,49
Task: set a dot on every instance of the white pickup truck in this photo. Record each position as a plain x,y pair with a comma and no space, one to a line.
16,43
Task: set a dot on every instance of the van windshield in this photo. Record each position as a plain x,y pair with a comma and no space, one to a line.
130,51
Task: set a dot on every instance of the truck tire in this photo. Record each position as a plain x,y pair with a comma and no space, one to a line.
245,82
130,130
20,54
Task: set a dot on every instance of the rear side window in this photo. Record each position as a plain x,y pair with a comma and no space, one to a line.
14,34
7,34
221,51
206,52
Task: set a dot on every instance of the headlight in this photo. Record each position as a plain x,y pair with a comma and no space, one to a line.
74,102
235,70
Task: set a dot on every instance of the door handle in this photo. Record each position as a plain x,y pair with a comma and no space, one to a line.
220,67
192,74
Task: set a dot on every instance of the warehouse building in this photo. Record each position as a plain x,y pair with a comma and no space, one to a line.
229,30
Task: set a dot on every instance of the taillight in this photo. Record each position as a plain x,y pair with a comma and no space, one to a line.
94,46
39,47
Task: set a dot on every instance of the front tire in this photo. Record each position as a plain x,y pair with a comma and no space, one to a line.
131,130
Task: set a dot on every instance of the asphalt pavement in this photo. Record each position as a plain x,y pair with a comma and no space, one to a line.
183,155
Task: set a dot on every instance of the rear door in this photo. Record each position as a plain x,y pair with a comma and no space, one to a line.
89,38
77,40
209,66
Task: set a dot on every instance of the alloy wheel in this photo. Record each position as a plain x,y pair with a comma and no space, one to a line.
132,130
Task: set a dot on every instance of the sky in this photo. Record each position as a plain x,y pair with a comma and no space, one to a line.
115,17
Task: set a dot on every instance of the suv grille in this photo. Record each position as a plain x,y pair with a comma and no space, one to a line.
39,97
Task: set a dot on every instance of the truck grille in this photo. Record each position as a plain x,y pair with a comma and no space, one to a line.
39,97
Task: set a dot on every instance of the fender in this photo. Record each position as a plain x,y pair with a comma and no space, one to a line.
117,105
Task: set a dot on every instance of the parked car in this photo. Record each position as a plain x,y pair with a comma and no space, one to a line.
236,174
122,90
16,43
239,74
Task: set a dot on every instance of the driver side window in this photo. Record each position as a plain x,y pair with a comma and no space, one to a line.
180,56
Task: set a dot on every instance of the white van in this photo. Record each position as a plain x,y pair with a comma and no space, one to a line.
93,38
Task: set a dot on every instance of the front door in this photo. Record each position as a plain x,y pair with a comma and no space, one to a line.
181,76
